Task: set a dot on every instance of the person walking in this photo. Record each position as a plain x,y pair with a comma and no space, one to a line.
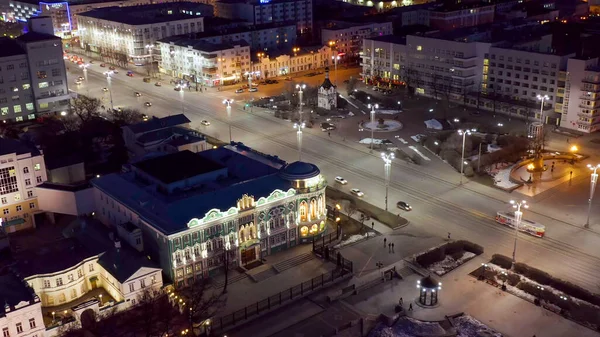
384,242
389,247
372,224
448,236
401,302
393,248
410,307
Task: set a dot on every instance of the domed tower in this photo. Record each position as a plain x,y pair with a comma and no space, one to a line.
327,95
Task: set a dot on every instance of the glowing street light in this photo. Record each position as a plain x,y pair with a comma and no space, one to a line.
372,107
462,156
108,80
592,190
84,67
335,59
300,88
299,127
518,217
573,149
387,160
228,103
542,98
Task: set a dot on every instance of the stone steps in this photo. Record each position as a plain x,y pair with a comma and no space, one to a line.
232,279
293,262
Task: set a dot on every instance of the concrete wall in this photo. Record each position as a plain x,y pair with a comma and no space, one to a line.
66,202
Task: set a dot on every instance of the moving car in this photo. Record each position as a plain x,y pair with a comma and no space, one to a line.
78,82
112,68
253,89
158,84
288,78
239,91
341,180
130,73
147,79
137,94
103,65
357,192
105,89
145,117
404,206
327,127
205,122
148,104
80,78
178,88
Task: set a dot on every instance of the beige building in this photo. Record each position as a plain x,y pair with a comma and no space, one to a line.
301,59
21,312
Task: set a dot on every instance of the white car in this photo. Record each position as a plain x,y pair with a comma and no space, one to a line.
205,122
105,89
239,91
341,180
253,89
357,192
78,82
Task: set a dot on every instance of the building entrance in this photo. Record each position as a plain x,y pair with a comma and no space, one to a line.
249,255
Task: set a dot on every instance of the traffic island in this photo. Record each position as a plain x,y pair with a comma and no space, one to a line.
446,257
536,286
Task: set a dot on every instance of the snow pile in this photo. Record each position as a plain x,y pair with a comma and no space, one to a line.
354,238
434,124
388,112
502,176
493,148
368,141
449,264
468,326
407,327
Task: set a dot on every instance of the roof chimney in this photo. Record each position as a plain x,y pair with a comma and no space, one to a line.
117,264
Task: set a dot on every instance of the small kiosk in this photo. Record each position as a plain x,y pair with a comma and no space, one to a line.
428,291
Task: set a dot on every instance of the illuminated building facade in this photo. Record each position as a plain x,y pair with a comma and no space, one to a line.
229,206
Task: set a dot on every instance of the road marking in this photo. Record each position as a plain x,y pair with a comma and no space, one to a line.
402,141
419,153
364,113
366,264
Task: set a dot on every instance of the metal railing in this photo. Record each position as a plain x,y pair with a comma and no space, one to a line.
223,323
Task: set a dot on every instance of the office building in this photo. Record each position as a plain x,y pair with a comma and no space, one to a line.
22,168
259,12
193,208
461,15
347,37
130,33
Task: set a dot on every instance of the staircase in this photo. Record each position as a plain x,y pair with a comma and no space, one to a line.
293,262
232,279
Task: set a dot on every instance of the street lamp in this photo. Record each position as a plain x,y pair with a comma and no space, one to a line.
299,126
335,62
84,67
181,94
592,190
295,50
462,156
300,88
372,107
387,160
518,216
542,98
108,80
228,103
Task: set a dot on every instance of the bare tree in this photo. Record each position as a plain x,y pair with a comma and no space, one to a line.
351,209
85,108
410,77
125,116
351,85
202,301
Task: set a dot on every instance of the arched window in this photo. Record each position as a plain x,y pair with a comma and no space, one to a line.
303,210
313,209
241,234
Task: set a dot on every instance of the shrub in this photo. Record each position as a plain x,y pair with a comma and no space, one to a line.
457,255
472,247
534,274
431,257
502,261
513,279
454,247
585,313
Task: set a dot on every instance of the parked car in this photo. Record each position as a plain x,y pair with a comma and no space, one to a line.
205,122
147,79
112,68
404,206
145,117
158,84
327,127
130,73
103,65
341,180
105,89
148,104
357,192
80,78
253,89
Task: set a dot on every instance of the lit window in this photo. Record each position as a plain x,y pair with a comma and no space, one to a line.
26,86
43,105
29,106
4,111
17,108
31,116
19,119
17,197
43,85
419,48
37,167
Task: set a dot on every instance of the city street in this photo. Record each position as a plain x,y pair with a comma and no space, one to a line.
440,204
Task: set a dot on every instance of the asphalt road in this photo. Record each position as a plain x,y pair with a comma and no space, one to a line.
440,204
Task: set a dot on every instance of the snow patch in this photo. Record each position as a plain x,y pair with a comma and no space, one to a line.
434,124
468,326
502,175
354,238
419,153
449,263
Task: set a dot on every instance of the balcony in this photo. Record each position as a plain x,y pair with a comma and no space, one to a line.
560,92
558,107
209,70
592,80
590,97
586,114
589,107
562,75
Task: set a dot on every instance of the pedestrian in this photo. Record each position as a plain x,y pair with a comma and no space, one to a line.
329,134
393,248
410,308
401,302
448,236
389,247
372,225
384,242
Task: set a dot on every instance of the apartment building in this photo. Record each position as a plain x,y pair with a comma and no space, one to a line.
16,95
208,64
347,37
303,59
581,107
258,12
22,168
131,32
461,15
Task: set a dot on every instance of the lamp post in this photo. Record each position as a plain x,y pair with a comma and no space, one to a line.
592,190
299,126
84,67
108,80
228,103
151,54
518,216
295,50
542,98
387,160
372,107
53,316
462,156
181,94
335,62
100,299
300,88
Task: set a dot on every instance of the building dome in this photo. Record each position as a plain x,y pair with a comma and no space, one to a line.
299,170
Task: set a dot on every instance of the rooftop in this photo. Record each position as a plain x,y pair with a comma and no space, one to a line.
13,291
158,123
36,37
8,146
153,13
390,39
249,172
177,166
220,31
459,6
174,135
204,46
10,47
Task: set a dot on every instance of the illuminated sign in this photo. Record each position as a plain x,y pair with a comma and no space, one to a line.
265,1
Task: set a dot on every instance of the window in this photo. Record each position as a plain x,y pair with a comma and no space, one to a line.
25,169
46,283
10,67
41,75
91,267
17,108
29,106
29,194
59,282
19,208
27,182
37,167
5,211
5,332
70,278
79,273
38,179
19,327
4,111
131,287
55,72
143,283
32,323
73,294
4,201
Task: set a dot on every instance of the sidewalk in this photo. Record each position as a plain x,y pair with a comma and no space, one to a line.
460,292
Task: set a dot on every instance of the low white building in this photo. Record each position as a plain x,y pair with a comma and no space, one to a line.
297,60
129,33
347,37
21,312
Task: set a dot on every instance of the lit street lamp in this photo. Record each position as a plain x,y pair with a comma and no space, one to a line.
518,216
228,103
300,88
84,67
542,98
335,62
181,94
372,107
299,126
462,156
592,190
108,80
387,160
